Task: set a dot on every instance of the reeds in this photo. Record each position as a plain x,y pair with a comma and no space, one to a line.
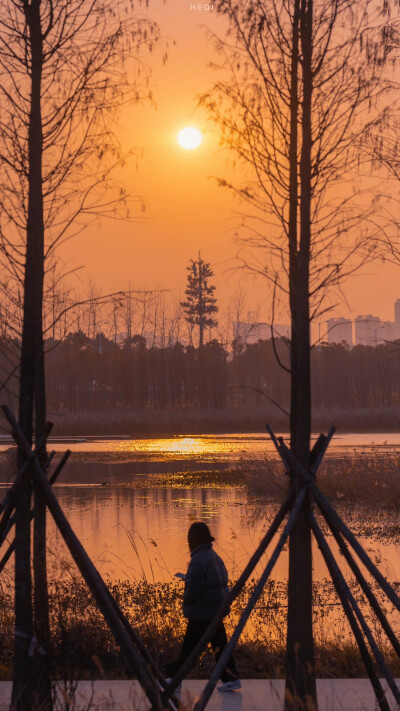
83,647
367,478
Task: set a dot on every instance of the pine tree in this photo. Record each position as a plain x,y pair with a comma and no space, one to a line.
200,302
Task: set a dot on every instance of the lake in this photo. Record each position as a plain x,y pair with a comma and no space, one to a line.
140,532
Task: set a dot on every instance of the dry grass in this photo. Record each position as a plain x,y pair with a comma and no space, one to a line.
83,647
369,479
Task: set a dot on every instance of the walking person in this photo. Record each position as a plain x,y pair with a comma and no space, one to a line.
206,585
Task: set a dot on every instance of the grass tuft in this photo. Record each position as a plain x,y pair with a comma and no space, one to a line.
83,647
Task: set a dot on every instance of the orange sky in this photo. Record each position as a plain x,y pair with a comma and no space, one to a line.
185,210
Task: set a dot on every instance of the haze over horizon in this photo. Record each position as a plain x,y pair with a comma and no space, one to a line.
185,210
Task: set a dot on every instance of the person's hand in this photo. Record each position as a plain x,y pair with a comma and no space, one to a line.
181,576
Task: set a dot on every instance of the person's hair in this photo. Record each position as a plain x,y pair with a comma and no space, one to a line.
198,534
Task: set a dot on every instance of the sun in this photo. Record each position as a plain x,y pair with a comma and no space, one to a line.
190,138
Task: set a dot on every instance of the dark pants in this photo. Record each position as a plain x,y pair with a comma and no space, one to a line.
194,631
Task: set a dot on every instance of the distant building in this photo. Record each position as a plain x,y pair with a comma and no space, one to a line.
396,325
368,330
339,330
397,312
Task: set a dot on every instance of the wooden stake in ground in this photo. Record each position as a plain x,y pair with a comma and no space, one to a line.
88,571
344,596
11,522
351,608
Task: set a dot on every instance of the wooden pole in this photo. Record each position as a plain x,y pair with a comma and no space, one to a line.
201,645
350,607
331,515
347,599
316,455
366,590
233,593
222,661
139,644
88,571
12,491
319,450
6,557
6,523
135,638
60,466
52,479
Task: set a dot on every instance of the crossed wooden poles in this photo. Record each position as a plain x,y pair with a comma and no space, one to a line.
161,694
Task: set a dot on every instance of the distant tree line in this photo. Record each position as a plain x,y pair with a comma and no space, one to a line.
94,375
98,374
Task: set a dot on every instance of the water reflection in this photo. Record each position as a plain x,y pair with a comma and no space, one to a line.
221,447
183,446
136,533
109,520
141,534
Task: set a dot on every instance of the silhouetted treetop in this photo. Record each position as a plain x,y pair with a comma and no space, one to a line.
200,303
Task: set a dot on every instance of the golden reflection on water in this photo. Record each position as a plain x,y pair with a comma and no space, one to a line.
184,446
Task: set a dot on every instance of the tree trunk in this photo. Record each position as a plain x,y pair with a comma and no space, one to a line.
300,683
201,307
41,598
293,212
25,691
201,333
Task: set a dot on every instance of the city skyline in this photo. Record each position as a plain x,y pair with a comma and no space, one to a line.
363,329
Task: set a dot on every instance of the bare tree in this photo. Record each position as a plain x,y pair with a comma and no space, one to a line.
175,322
243,321
293,107
128,312
63,70
114,319
145,300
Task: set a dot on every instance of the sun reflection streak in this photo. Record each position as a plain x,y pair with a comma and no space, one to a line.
193,446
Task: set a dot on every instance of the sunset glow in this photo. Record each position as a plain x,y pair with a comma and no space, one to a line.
190,138
186,209
177,446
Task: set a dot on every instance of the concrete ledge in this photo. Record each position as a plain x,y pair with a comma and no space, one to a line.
256,695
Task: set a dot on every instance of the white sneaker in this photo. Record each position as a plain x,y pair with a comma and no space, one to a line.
230,685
